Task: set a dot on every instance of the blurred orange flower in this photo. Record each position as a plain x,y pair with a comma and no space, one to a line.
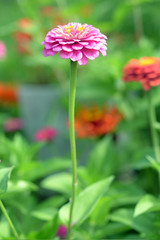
8,94
22,41
24,23
93,121
22,38
145,70
47,11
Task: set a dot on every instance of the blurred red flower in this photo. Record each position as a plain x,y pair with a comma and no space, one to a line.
94,122
146,70
12,125
22,37
8,93
22,40
45,134
47,11
61,232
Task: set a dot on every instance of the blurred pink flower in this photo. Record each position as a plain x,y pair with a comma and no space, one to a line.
13,124
2,50
61,232
76,41
45,134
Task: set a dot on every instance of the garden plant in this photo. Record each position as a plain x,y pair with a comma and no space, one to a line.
90,168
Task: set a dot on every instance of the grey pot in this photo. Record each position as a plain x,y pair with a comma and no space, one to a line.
40,106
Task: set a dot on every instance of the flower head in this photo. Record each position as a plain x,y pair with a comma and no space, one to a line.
13,124
2,50
24,23
61,232
23,37
93,121
45,134
146,70
8,93
76,41
22,41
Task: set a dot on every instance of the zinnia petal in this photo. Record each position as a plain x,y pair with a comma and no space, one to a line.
83,60
57,48
103,52
77,46
91,53
64,54
77,55
67,48
45,52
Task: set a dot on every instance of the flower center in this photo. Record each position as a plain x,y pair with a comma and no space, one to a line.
80,28
91,115
68,28
146,61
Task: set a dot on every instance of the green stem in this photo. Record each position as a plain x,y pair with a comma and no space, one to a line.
72,95
152,118
137,17
9,220
155,140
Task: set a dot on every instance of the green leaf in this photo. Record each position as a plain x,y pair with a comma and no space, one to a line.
85,202
17,187
45,214
4,177
35,170
147,204
111,229
6,228
56,201
101,212
47,232
125,193
61,182
144,224
154,163
139,158
102,160
157,125
98,154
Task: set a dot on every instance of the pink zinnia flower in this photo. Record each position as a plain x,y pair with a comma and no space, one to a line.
45,134
2,50
61,232
13,124
76,41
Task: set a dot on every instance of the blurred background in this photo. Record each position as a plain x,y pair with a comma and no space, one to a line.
112,125
34,89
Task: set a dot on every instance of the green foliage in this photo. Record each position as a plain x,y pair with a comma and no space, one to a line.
4,177
147,204
60,182
145,224
85,202
47,231
38,190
